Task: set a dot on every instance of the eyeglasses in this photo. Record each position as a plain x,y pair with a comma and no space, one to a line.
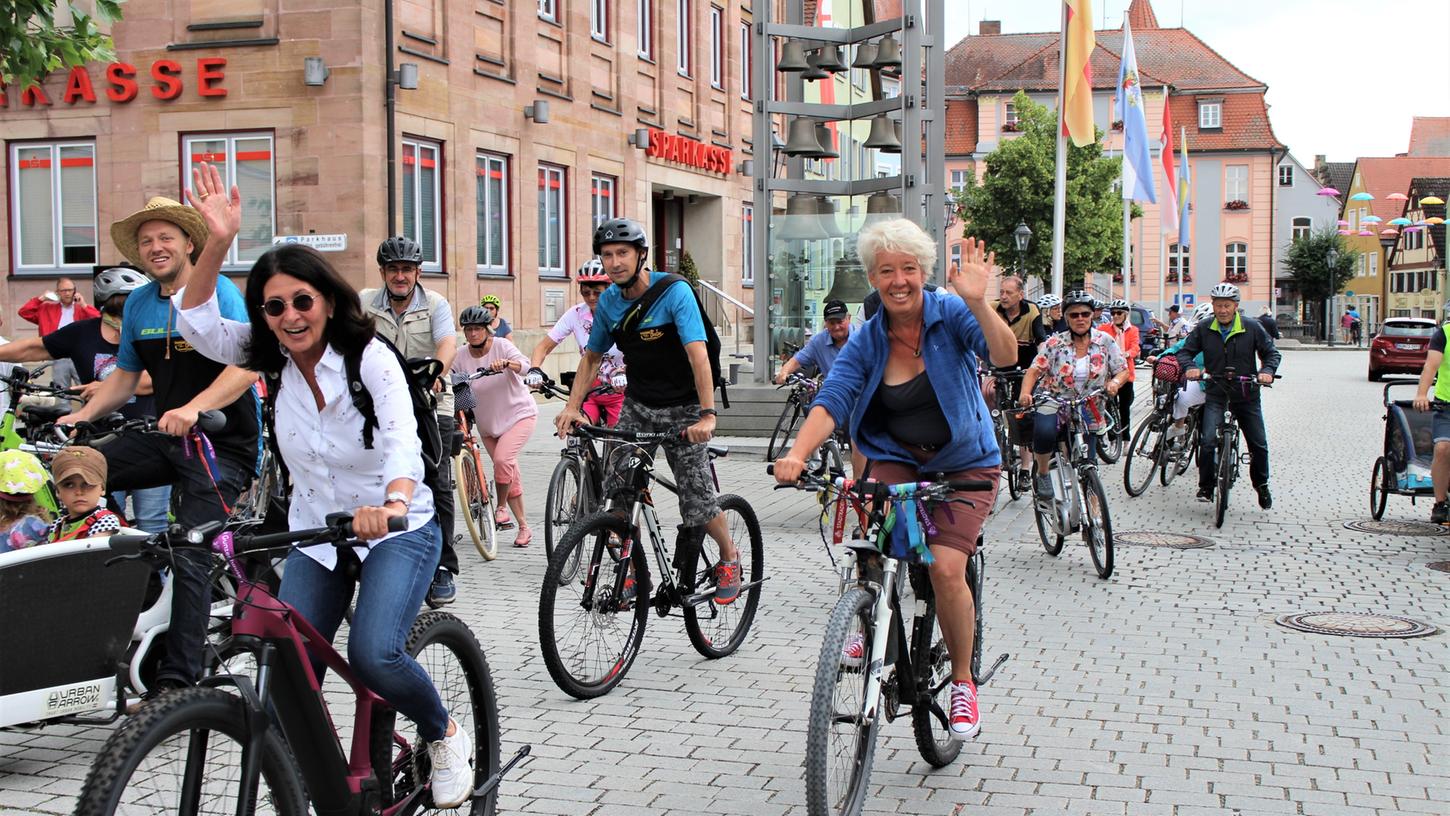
592,291
65,291
1076,315
274,307
1120,311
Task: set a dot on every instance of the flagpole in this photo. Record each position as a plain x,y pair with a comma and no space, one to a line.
1127,250
1059,187
1162,266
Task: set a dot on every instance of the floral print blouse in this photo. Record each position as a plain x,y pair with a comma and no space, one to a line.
1056,364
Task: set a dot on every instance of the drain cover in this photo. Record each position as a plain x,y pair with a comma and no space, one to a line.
1412,528
1356,624
1440,566
1176,541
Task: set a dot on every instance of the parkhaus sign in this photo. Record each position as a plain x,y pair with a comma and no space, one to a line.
121,82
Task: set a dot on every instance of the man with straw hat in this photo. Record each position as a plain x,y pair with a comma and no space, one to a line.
164,239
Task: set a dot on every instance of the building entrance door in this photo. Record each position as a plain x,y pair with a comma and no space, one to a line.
669,233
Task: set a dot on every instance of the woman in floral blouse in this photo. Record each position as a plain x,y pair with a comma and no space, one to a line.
1071,364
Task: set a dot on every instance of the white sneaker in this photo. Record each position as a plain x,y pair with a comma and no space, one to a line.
452,778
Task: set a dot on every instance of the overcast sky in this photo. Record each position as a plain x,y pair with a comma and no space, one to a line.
1344,77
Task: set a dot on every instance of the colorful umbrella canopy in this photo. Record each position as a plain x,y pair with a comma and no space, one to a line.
1341,223
1397,197
1371,219
1361,197
1327,191
1389,232
1344,232
1415,228
1399,222
1436,220
1431,200
1366,233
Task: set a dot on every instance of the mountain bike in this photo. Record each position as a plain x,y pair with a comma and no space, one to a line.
895,673
1007,382
265,739
596,595
475,498
576,487
1079,502
1226,441
797,403
1150,449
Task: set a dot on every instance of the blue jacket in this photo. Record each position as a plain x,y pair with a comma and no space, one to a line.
952,341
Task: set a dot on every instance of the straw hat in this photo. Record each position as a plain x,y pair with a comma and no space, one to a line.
159,208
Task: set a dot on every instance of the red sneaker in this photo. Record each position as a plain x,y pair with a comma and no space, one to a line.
727,582
964,720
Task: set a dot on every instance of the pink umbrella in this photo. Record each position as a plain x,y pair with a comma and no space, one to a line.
1344,232
1397,197
1327,191
1389,232
1342,223
1366,233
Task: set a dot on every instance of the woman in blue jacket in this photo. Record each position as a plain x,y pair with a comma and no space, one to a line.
906,384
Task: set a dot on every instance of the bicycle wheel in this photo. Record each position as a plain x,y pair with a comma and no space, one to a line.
1227,459
1011,460
182,753
1176,462
448,651
1097,528
1110,443
1144,455
783,429
1379,487
931,723
1051,541
565,502
717,630
840,739
590,627
476,503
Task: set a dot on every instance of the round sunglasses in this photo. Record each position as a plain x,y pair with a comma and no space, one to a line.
274,307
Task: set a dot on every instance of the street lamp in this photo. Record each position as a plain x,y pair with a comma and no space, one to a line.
1022,237
951,212
1331,259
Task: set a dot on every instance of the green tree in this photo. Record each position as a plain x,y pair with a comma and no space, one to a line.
689,270
1018,187
40,36
1318,279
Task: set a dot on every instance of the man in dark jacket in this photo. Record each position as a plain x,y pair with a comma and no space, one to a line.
1232,345
1266,319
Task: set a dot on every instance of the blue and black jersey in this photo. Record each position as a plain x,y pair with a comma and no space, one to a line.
653,344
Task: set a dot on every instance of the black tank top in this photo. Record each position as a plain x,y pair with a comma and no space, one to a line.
911,413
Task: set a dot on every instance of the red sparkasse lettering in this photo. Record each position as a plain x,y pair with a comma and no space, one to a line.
729,162
208,74
78,86
121,76
34,95
167,74
656,142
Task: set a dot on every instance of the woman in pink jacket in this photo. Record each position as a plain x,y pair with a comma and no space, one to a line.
505,413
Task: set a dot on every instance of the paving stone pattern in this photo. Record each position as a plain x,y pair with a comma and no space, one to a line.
1165,690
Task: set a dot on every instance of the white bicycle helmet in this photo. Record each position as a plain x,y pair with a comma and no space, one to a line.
1048,301
1202,311
117,281
1118,304
1225,290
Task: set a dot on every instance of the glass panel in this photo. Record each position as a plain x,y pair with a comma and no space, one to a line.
543,219
78,204
410,190
498,213
33,206
428,202
253,160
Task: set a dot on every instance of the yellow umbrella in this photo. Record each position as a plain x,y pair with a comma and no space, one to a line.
1435,220
1431,200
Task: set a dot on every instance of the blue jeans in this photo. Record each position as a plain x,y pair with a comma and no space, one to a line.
149,507
1251,422
393,582
1050,429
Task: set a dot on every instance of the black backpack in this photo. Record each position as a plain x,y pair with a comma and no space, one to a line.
420,375
712,337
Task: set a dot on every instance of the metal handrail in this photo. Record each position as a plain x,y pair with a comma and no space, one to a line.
716,308
741,306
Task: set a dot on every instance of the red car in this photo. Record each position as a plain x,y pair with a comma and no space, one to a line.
1401,346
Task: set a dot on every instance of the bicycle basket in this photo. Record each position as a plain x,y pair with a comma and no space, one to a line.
463,399
1167,370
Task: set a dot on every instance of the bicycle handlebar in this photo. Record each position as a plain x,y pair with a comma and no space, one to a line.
839,482
338,531
207,422
631,436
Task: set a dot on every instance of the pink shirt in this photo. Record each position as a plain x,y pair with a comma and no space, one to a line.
503,399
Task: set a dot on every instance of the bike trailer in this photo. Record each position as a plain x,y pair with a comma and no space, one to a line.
1409,445
66,621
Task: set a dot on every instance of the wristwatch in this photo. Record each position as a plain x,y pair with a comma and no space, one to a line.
711,411
397,496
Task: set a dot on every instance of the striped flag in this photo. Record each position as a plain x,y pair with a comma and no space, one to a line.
1137,155
1077,88
1169,208
1183,182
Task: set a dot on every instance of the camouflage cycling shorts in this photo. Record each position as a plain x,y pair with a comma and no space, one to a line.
690,463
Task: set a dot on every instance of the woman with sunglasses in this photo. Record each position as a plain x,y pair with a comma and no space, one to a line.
304,320
600,407
1126,336
1071,364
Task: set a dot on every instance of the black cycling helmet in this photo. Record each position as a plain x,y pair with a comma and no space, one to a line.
399,248
1078,297
475,316
620,231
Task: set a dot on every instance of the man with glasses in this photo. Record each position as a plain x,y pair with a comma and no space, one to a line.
419,322
821,350
578,322
54,310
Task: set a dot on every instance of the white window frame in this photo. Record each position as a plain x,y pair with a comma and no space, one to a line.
747,245
959,180
485,164
1009,114
1353,220
956,255
682,37
434,264
57,225
745,83
717,47
599,20
1236,183
1210,115
1374,263
598,184
644,18
1298,230
1231,253
549,10
1286,175
234,258
549,266
1174,255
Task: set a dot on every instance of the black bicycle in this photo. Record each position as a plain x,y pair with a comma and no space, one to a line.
597,590
1226,441
576,487
797,404
1007,382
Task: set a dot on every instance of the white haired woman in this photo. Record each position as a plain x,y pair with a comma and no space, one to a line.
907,386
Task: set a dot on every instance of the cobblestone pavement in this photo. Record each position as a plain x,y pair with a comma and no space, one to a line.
1165,690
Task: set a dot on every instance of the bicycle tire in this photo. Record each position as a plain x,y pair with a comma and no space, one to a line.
1097,529
1149,464
783,428
976,578
474,499
724,629
1227,456
1052,542
1110,443
450,654
933,664
606,535
1379,487
121,769
563,504
1011,460
851,615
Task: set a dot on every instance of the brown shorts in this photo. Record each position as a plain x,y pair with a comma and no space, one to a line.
957,525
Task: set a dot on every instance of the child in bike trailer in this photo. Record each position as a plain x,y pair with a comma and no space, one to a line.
80,480
26,508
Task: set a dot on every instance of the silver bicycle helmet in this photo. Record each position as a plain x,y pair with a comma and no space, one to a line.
1225,290
1078,297
1048,301
475,316
1118,304
117,281
1202,311
399,248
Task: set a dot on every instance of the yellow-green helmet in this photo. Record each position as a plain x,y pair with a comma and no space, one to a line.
21,474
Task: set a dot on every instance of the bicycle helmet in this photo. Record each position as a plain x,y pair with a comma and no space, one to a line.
21,475
592,272
1118,304
620,231
475,316
1048,301
1202,311
491,300
1078,297
117,281
399,248
1225,290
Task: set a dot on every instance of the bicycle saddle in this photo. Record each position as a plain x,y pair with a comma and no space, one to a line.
717,451
44,413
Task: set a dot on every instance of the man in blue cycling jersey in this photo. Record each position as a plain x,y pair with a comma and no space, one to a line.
821,350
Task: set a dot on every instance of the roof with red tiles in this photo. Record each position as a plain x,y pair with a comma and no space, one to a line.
1141,16
1382,176
1430,136
1245,120
961,127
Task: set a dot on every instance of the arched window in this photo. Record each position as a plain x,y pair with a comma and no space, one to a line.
1236,262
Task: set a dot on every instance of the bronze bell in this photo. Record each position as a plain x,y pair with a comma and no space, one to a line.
826,216
881,206
815,71
888,54
830,59
803,142
800,222
792,57
865,56
827,141
883,135
849,284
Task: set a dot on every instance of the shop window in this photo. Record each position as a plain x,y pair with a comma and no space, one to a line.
1301,229
422,206
243,159
717,47
745,85
682,37
551,220
1236,262
549,10
53,205
599,20
747,245
601,192
492,214
644,25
